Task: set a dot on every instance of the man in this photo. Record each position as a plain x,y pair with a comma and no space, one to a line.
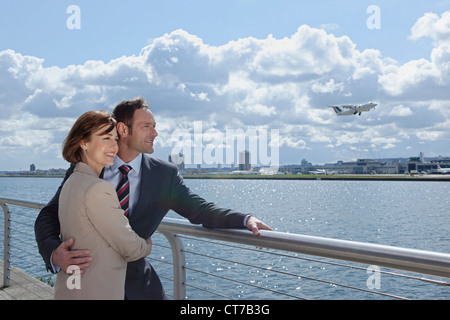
155,187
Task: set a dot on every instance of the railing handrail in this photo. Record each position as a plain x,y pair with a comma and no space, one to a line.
413,260
22,203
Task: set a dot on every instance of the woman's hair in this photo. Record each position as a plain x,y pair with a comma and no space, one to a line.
81,131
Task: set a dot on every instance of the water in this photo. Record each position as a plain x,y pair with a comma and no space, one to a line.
406,214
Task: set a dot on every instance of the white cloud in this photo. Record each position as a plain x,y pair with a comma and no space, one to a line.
423,78
433,26
309,53
329,27
429,135
283,83
257,109
328,87
401,111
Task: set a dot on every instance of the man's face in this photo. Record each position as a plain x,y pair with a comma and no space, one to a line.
143,132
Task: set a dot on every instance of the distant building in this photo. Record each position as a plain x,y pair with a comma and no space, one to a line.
32,167
305,164
367,166
244,160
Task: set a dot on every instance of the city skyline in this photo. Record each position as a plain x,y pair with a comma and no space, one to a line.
231,65
237,165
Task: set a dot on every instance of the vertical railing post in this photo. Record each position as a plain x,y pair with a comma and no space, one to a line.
6,246
179,270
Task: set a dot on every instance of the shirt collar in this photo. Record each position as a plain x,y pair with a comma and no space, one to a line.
135,163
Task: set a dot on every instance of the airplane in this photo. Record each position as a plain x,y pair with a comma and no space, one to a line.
442,170
353,109
240,172
322,171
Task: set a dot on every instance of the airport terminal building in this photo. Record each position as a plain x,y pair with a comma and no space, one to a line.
372,166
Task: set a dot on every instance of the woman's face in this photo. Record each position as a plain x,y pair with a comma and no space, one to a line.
100,150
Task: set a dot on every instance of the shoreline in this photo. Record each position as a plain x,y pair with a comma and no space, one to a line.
31,176
399,177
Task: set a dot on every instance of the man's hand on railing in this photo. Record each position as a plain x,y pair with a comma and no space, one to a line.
254,225
63,257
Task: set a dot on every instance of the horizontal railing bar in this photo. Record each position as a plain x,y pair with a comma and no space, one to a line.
187,284
208,291
420,261
246,284
225,278
438,282
296,275
280,271
23,203
433,281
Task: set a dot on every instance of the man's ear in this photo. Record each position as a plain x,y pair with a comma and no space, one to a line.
122,129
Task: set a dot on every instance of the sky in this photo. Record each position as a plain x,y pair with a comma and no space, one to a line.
243,65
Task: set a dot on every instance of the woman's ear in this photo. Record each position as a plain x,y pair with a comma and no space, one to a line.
83,145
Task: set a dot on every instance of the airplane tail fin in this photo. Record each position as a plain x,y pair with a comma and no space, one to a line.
336,109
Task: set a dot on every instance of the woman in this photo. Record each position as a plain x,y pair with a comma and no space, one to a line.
90,213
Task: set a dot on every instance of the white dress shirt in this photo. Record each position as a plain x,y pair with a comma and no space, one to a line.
113,175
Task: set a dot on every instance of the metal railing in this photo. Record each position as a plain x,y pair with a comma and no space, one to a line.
410,260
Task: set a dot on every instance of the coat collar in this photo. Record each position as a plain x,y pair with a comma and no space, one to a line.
84,168
136,163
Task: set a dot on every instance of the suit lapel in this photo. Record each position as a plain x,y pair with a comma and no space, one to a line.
147,190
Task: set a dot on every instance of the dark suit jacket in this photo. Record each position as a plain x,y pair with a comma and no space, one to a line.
162,189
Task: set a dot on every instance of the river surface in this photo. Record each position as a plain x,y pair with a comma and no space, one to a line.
397,213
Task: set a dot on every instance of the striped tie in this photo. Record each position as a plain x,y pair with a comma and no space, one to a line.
123,188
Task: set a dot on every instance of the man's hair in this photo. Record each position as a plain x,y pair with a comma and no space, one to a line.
82,130
124,111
